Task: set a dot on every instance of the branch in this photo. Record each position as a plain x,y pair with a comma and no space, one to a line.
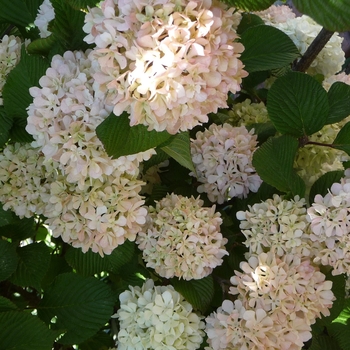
313,50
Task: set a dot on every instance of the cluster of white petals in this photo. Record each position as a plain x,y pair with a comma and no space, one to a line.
277,225
279,298
182,238
157,317
329,218
222,156
167,63
10,53
45,15
303,30
276,14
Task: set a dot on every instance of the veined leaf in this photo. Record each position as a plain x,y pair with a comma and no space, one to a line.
339,102
342,141
8,259
251,5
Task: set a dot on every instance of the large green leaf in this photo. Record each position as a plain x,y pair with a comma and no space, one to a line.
120,139
266,48
6,123
121,256
198,293
6,216
15,12
42,46
342,141
6,305
8,259
248,20
100,341
297,105
339,102
273,161
82,4
332,14
23,331
250,5
80,306
180,150
34,261
324,342
18,229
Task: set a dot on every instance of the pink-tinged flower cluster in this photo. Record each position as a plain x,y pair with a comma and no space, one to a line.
182,238
157,317
222,156
341,77
279,298
45,15
329,218
276,14
277,225
10,53
167,63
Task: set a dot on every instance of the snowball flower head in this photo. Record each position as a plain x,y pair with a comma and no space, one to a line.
182,238
222,156
157,317
276,14
168,63
45,15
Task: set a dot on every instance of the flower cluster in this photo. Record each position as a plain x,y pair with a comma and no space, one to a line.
303,30
279,298
341,77
276,14
46,14
277,225
10,53
222,156
182,238
167,63
329,218
157,317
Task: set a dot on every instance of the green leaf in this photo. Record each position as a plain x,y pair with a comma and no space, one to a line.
198,293
120,139
180,150
6,123
82,4
322,184
6,305
34,261
121,256
6,216
251,5
248,20
273,161
8,259
339,102
42,46
100,341
81,306
19,229
158,158
332,14
263,130
15,12
23,331
342,141
266,48
58,265
297,105
324,342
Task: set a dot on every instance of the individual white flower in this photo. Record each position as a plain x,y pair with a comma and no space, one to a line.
45,15
157,317
222,156
182,238
167,63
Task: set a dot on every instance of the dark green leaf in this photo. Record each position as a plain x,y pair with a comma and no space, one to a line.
34,261
82,4
15,12
158,158
339,102
6,304
342,141
273,161
180,150
19,229
100,341
23,331
42,46
297,104
248,20
251,5
324,342
322,185
120,139
198,293
8,259
121,255
6,216
332,14
6,123
81,305
263,130
266,48
58,265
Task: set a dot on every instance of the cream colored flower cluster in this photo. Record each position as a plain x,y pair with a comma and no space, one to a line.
277,225
276,14
167,63
329,218
222,156
155,318
10,53
45,15
303,30
182,238
279,298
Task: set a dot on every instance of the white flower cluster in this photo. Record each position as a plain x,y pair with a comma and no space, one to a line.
329,218
303,30
45,15
155,318
279,298
277,225
182,238
222,156
10,53
167,63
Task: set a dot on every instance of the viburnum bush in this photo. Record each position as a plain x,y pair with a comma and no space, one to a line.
174,174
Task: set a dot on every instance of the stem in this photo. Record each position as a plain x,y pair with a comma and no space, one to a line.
313,50
320,144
